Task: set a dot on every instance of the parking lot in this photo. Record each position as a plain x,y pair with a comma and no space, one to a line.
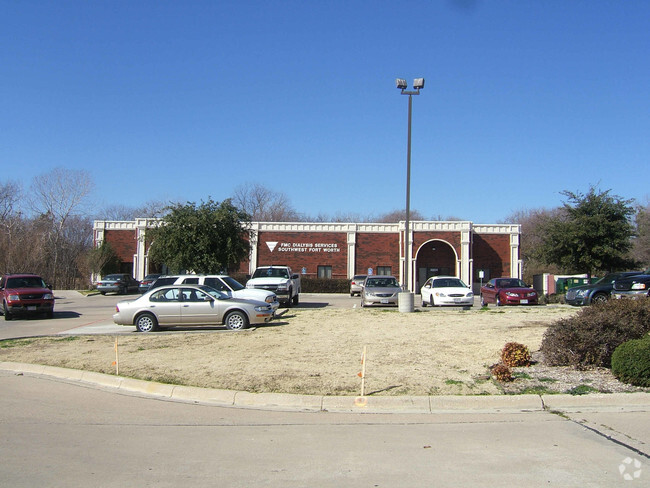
75,313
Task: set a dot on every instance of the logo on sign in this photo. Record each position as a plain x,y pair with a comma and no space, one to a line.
271,245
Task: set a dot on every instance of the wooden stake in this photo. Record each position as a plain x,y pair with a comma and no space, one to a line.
363,372
117,360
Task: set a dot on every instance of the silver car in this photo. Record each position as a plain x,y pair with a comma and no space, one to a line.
189,305
117,283
380,290
356,284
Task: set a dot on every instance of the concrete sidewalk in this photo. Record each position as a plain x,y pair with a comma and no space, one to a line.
595,402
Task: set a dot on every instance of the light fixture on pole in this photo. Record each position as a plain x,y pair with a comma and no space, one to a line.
405,299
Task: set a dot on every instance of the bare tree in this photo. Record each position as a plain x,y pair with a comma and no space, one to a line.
399,215
264,204
641,247
151,209
58,200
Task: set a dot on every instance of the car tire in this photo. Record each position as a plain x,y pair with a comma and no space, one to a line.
236,320
296,299
599,298
497,300
102,293
146,323
483,302
6,312
424,302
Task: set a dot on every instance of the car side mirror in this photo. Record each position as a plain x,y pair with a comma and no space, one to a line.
295,276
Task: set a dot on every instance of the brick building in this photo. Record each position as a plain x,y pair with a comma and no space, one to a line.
341,250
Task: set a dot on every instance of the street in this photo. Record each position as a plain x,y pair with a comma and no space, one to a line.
60,434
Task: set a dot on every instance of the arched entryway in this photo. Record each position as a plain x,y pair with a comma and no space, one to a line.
435,258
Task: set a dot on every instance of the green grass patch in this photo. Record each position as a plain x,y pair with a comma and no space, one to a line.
453,382
6,344
582,390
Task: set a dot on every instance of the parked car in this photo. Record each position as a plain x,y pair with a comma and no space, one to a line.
223,283
122,283
25,294
507,291
148,280
356,284
633,286
380,290
597,292
190,305
446,290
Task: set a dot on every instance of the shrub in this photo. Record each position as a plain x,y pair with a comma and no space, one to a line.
631,362
514,354
501,372
590,337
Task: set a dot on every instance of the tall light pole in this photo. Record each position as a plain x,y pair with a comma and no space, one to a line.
406,298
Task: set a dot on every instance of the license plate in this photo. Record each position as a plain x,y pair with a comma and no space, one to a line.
523,301
31,307
384,300
457,300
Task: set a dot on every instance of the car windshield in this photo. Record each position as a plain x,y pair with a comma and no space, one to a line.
511,283
449,283
233,283
271,273
382,283
25,282
215,293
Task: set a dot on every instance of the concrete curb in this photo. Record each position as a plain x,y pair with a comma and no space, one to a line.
593,402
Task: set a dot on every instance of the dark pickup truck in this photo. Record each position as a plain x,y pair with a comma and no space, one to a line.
633,286
25,294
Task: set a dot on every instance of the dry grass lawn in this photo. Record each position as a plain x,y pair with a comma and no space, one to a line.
428,352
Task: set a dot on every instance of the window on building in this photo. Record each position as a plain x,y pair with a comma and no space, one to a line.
324,271
384,270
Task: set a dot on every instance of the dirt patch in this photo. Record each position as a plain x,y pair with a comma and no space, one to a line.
428,352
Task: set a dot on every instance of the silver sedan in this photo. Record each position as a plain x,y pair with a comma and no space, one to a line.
380,290
189,305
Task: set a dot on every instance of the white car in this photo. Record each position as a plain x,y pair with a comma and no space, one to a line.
446,290
223,283
190,305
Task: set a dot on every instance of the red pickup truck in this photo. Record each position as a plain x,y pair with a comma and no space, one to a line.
25,294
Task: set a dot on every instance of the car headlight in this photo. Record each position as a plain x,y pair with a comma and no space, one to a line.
581,293
262,308
283,287
470,295
440,294
48,296
532,294
511,294
638,286
14,298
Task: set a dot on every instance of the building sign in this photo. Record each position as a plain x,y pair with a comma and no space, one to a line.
310,247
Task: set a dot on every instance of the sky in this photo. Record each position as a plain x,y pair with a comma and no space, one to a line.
189,100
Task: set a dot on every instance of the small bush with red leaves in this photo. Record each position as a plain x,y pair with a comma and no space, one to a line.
514,354
590,337
501,372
